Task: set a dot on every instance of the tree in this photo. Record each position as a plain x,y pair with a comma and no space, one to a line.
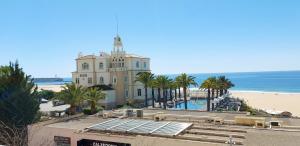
163,82
185,81
93,95
228,85
153,85
145,78
177,81
172,85
72,94
18,101
224,84
209,84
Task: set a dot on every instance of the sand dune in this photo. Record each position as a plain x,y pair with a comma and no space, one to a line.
271,100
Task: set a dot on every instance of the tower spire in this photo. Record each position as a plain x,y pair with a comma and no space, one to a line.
117,21
118,46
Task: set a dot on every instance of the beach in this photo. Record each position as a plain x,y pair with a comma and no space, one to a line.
271,100
55,88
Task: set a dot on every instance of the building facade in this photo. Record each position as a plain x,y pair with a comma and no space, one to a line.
117,70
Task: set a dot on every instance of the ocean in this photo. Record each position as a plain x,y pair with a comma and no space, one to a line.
277,81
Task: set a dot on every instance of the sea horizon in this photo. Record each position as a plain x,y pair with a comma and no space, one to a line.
266,81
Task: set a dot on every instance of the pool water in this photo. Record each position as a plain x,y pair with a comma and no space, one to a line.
199,104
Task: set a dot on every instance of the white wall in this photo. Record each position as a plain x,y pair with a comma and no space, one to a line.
131,63
81,61
106,77
110,98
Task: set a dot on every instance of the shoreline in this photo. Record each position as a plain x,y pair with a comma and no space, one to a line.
258,91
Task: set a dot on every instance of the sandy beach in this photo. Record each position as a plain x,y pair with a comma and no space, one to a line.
271,100
55,88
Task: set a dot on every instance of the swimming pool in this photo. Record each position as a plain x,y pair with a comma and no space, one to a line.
199,104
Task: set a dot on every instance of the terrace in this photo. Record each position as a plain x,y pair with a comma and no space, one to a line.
173,126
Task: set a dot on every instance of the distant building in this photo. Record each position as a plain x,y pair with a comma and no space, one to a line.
117,70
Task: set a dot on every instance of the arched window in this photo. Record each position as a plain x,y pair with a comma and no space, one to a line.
137,64
101,80
85,66
100,65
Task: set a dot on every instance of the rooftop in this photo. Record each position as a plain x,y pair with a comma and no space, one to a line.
187,125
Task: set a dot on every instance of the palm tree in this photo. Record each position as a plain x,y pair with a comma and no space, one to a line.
175,85
93,95
171,87
209,84
224,84
153,85
177,80
163,82
228,85
185,81
72,94
145,78
221,82
156,84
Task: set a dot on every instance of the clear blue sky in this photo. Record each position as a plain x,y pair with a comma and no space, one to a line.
193,36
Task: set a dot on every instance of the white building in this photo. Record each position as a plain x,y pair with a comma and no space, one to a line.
117,70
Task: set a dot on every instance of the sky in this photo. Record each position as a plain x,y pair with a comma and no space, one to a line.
191,36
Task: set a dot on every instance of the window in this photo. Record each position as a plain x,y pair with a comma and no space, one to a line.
101,80
139,92
85,66
77,80
122,64
137,64
100,65
90,80
114,80
145,64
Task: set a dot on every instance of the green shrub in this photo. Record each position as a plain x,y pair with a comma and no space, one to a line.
87,111
46,94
